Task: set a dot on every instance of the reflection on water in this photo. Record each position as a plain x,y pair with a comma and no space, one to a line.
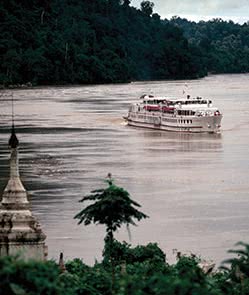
194,187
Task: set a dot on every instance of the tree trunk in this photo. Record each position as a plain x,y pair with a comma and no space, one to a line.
112,261
42,16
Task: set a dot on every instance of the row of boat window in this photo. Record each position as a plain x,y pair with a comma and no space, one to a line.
171,103
172,120
186,113
194,102
167,119
185,121
180,112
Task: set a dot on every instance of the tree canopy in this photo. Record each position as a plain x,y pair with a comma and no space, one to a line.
109,41
224,44
138,270
112,206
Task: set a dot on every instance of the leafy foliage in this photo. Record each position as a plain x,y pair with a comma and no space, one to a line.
31,278
224,45
112,207
157,277
138,270
100,41
90,280
238,272
123,253
147,7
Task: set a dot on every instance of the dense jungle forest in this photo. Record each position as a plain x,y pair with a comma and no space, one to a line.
109,41
141,270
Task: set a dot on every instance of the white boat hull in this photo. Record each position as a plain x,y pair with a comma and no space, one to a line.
193,124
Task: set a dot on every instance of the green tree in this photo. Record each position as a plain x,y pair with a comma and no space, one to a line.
89,280
238,272
123,253
29,277
112,206
147,7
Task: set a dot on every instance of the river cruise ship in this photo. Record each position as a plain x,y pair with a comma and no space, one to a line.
184,115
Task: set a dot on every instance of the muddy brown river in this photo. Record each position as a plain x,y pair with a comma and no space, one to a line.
194,187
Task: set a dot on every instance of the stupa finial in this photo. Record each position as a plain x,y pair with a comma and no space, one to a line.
13,141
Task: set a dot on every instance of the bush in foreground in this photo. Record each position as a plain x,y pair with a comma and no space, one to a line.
138,270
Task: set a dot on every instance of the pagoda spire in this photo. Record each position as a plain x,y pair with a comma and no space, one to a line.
14,195
20,232
14,163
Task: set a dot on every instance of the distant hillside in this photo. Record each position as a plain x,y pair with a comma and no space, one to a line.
107,41
224,45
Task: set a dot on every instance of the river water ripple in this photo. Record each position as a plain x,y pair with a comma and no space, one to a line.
193,187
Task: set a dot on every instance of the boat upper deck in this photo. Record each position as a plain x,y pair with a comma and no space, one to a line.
176,101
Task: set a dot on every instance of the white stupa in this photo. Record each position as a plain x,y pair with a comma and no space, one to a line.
20,233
